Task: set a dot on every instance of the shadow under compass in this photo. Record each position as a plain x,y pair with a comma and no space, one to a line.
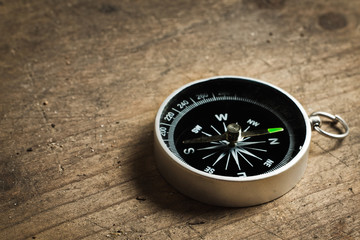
153,191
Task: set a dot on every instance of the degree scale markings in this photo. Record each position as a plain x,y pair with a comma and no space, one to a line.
176,110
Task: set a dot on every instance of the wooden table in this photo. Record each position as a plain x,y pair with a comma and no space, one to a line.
80,85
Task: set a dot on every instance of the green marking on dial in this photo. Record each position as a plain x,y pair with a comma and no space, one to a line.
275,130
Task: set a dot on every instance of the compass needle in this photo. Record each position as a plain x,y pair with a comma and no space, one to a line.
260,132
233,134
275,130
207,139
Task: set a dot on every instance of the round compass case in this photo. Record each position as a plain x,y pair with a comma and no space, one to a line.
199,153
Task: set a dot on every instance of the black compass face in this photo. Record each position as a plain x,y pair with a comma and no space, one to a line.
272,127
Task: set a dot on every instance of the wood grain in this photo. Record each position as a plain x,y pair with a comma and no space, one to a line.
80,85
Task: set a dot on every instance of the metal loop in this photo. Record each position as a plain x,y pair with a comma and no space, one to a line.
316,124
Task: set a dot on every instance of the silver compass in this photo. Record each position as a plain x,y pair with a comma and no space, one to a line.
234,141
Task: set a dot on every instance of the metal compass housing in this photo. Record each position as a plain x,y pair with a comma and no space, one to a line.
232,141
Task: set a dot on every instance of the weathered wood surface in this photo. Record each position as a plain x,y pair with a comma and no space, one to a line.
80,84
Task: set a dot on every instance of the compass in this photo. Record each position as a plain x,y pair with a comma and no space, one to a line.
234,141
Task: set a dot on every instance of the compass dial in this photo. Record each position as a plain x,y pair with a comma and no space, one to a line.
248,157
231,141
206,109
